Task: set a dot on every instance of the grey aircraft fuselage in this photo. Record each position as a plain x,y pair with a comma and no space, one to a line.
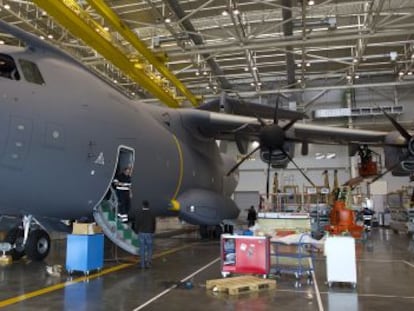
60,143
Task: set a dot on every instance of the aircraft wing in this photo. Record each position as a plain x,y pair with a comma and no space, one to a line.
322,134
244,108
226,127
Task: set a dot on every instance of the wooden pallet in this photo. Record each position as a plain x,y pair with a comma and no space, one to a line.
240,284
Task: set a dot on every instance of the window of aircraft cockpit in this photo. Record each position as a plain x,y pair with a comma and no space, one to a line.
31,72
8,68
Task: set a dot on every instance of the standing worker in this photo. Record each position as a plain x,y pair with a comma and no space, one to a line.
122,183
145,228
251,216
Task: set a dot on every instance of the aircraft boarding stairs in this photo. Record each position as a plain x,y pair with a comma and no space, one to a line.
121,234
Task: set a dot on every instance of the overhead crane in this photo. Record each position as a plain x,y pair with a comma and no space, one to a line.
81,24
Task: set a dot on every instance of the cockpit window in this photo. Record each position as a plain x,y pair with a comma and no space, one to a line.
8,68
31,72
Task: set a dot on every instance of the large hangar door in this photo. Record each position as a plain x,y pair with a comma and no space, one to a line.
245,199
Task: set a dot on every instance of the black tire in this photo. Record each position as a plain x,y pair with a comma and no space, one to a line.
15,237
218,231
38,245
203,232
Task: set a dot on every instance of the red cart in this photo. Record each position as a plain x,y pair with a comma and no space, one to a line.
244,254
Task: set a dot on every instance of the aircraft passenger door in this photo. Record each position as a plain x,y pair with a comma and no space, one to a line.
122,181
126,157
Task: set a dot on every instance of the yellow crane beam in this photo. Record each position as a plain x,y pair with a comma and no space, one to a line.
112,18
71,16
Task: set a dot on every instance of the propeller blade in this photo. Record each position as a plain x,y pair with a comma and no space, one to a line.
261,121
385,172
242,160
297,167
397,125
289,125
268,175
275,116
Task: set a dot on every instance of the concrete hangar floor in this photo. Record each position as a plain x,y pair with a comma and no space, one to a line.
385,281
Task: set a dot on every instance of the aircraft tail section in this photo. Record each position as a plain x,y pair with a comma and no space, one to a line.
119,233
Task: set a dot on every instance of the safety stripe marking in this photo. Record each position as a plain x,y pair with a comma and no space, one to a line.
181,168
318,294
174,286
58,286
407,263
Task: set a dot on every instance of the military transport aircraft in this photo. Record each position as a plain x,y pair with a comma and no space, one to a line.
64,133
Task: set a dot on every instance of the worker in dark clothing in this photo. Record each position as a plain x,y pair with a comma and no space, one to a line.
145,228
365,154
122,183
251,216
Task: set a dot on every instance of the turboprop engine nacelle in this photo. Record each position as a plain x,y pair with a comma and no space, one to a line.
403,155
278,159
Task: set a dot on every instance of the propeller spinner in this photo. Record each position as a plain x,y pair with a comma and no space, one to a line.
272,137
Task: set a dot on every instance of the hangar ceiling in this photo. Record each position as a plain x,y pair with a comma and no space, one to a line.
249,48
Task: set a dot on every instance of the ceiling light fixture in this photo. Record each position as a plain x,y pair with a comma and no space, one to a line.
319,156
224,13
311,2
236,12
167,20
330,155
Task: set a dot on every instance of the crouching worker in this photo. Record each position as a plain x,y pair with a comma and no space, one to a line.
145,227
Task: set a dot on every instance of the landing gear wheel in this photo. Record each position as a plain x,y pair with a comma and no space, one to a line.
38,245
203,232
15,237
218,231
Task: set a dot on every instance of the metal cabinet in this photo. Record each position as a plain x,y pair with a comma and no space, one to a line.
340,260
84,252
244,254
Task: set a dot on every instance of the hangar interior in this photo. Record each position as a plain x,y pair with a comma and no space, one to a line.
337,61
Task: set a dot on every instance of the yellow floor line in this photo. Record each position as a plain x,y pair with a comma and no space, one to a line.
39,292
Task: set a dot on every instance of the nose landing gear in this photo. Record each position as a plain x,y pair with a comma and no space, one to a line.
29,239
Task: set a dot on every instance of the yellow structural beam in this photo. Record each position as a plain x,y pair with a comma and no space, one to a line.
112,18
71,16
